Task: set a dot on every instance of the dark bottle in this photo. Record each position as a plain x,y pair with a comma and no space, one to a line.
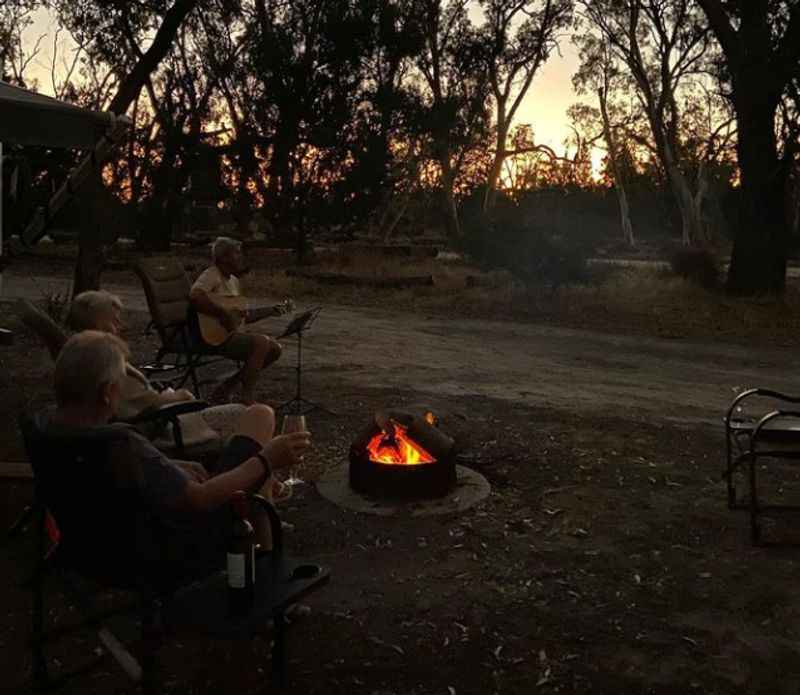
241,558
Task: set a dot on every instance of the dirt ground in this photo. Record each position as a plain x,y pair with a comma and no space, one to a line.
604,561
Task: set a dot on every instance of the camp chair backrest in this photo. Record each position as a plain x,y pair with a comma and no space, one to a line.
48,331
166,287
101,516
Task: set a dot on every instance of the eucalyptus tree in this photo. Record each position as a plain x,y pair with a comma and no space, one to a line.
519,36
132,39
385,149
600,74
760,40
454,113
15,17
663,46
306,60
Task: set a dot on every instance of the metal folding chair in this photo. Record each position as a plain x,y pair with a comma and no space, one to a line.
95,532
752,437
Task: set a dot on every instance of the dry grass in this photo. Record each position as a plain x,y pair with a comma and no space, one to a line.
644,301
633,300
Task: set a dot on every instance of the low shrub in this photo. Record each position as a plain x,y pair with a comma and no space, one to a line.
698,265
534,257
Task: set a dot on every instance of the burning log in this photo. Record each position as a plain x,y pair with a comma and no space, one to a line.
402,456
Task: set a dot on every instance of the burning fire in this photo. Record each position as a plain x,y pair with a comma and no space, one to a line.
396,447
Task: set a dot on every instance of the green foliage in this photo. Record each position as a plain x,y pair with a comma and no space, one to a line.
698,265
534,256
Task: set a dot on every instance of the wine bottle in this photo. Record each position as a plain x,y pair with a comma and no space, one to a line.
241,558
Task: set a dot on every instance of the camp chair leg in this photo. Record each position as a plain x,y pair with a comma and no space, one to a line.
41,678
279,649
195,382
755,530
20,522
150,642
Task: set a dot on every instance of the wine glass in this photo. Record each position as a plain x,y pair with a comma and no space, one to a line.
294,422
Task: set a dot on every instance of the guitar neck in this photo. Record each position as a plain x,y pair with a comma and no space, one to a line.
260,313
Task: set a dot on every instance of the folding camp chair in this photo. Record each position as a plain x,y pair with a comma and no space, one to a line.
167,288
198,442
106,537
754,436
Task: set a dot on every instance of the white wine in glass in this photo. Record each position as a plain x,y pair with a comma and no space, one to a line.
293,423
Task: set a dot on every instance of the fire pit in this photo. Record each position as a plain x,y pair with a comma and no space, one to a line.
402,456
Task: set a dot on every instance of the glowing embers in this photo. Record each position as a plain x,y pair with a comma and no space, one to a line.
400,455
394,446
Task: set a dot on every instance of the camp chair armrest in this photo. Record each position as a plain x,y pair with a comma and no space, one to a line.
764,393
170,411
763,429
274,522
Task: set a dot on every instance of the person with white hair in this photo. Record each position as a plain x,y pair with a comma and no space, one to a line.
88,375
221,280
102,311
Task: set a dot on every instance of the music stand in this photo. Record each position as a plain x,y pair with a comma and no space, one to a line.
297,326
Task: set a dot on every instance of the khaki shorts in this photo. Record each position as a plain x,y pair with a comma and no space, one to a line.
238,347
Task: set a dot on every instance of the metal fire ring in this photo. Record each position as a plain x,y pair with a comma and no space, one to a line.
470,489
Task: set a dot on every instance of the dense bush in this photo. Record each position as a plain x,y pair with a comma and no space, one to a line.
698,265
533,256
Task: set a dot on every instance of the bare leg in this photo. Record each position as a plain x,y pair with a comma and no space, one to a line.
257,422
265,351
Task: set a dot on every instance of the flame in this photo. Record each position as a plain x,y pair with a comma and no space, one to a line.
396,447
431,419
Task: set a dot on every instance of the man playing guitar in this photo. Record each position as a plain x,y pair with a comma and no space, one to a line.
213,295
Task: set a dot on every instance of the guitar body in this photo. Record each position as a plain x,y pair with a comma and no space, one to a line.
214,333
211,330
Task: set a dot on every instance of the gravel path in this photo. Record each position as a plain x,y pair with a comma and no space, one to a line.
534,364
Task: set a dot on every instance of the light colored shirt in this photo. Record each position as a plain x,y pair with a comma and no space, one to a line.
212,282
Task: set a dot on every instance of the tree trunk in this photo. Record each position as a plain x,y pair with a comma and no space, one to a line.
91,239
758,261
490,194
691,228
280,176
625,215
619,186
90,259
449,207
707,235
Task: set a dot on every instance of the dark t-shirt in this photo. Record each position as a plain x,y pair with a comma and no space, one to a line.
160,479
194,542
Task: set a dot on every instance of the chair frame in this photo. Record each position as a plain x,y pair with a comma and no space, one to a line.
279,588
748,441
176,336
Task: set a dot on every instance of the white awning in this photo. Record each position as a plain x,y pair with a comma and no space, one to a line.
29,118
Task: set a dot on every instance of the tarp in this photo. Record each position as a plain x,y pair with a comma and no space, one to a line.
28,118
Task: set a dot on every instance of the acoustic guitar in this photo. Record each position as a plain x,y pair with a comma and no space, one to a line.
214,333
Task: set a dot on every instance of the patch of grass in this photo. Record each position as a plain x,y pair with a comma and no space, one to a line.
645,301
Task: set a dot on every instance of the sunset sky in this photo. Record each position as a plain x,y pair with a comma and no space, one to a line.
544,108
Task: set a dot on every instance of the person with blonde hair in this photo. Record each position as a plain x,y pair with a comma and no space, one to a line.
88,384
102,311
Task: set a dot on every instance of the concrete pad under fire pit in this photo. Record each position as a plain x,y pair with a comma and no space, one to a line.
470,488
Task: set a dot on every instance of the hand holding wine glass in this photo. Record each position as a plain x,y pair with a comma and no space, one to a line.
293,422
